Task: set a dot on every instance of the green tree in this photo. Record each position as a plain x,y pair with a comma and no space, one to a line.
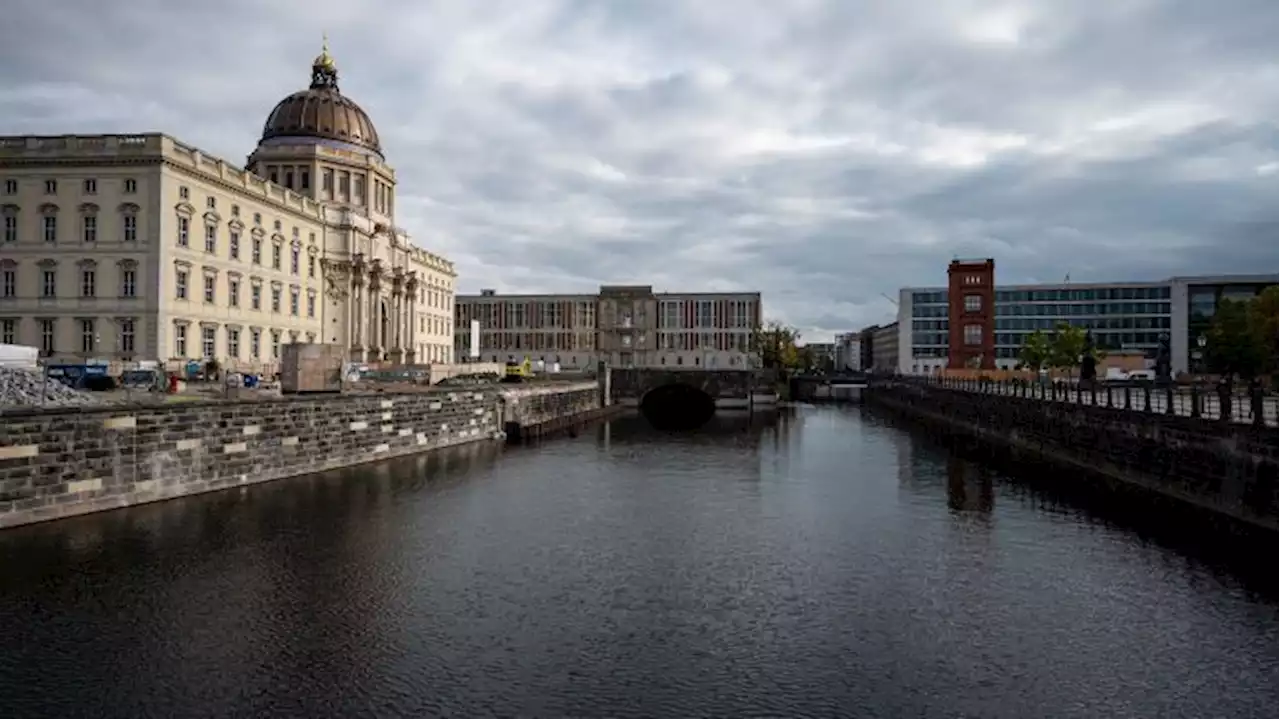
774,345
1067,347
1241,340
1035,351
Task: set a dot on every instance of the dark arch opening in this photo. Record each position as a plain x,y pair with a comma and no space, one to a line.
677,407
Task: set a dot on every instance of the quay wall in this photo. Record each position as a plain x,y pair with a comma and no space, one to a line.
61,462
533,411
1228,468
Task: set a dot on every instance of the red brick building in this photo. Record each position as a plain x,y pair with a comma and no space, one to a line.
971,314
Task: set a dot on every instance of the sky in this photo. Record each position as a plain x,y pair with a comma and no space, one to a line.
823,152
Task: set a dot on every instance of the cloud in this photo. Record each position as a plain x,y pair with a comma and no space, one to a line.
824,152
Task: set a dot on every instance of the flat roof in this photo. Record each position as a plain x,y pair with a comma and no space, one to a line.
1187,280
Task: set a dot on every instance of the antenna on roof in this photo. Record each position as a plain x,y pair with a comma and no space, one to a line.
1067,280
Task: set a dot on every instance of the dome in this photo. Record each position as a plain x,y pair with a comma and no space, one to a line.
322,112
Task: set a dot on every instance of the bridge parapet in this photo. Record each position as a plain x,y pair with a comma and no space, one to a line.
634,383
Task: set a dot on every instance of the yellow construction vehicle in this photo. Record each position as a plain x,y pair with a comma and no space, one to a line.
518,371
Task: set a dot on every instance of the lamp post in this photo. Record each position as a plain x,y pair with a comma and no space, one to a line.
1201,341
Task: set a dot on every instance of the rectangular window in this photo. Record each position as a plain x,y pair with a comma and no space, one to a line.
304,180
47,336
233,343
275,256
88,283
275,344
311,266
179,340
10,187
9,332
973,303
255,297
211,239
293,301
9,285
210,293
50,187
208,342
973,335
90,228
181,285
706,313
50,228
88,337
184,232
91,187
10,228
275,299
130,187
256,256
344,185
128,283
359,189
294,260
49,286
126,336
326,182
233,292
130,228
255,343
311,305
234,245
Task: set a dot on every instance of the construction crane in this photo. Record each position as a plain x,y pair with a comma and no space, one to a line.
887,297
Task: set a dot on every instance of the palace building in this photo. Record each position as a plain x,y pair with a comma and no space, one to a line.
141,247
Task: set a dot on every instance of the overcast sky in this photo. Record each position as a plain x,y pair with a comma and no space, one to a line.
822,152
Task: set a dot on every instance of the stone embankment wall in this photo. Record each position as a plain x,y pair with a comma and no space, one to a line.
532,411
1226,467
62,462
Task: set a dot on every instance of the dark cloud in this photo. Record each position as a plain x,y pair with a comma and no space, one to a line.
825,152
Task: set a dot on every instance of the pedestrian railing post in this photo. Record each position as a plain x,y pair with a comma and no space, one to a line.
1258,405
1146,399
1128,398
1195,401
1168,400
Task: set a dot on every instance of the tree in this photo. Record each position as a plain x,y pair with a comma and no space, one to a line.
774,345
1241,340
1066,347
1035,351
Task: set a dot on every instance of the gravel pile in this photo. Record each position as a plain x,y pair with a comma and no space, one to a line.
22,387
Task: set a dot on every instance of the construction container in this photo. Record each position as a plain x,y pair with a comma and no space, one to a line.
311,367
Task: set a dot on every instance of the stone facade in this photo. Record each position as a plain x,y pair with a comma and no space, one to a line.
1226,467
533,411
66,462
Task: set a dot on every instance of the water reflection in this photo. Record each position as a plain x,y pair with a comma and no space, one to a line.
969,487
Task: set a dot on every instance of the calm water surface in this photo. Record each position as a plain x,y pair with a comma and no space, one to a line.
823,564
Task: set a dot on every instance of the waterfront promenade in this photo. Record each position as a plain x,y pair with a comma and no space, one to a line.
1204,401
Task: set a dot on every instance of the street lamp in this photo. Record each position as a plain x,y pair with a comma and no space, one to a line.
1201,341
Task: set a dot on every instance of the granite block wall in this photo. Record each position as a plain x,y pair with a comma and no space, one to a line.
59,463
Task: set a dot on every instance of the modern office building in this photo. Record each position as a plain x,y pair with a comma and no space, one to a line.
625,325
848,352
131,247
1121,316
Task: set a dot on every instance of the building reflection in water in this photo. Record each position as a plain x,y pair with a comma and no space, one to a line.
969,487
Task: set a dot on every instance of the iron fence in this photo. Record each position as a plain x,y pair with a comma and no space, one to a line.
1247,405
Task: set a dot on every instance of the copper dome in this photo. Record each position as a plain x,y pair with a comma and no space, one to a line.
321,111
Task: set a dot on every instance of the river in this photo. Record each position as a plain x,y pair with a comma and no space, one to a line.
821,563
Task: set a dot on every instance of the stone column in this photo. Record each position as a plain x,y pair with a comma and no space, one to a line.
374,346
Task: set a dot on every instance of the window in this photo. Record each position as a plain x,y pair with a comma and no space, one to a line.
91,187
311,266
288,178
90,228
304,181
234,245
180,341
275,299
208,342
276,225
130,186
181,285
184,193
49,283
294,258
359,190
255,343
293,301
50,187
50,228
255,297
88,282
128,283
256,255
706,313
9,285
233,292
275,344
10,227
233,343
275,175
235,210
9,332
257,218
211,238
973,335
344,185
126,336
211,203
88,337
326,182
276,253
973,303
10,187
210,293
311,305
46,336
184,232
130,228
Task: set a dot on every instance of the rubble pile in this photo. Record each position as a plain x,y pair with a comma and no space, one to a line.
23,387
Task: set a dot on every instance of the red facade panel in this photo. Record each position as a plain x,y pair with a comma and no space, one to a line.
971,298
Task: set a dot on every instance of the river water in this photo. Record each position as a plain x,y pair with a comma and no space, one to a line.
819,563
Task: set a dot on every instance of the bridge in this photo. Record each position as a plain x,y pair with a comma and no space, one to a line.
689,397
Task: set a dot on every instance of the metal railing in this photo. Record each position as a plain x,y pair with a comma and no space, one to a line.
1247,405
